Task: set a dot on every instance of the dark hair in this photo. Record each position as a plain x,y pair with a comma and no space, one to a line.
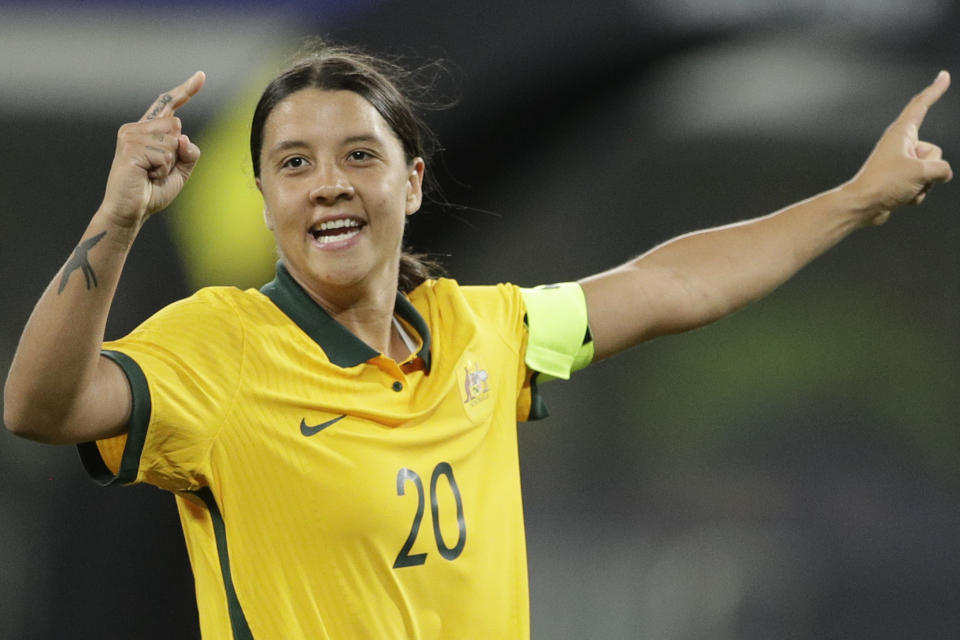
388,87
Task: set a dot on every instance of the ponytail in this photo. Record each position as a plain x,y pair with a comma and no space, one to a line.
415,268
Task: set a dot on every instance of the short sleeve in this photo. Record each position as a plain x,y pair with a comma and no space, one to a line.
183,366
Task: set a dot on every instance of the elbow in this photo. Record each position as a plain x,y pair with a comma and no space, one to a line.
12,415
14,419
17,420
24,422
31,429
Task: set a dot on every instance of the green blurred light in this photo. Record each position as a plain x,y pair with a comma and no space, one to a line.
217,222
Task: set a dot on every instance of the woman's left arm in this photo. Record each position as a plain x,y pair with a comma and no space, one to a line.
700,277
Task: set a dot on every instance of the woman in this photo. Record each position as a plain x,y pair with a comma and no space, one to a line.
342,442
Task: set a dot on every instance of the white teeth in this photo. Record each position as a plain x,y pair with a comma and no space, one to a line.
350,227
336,224
339,237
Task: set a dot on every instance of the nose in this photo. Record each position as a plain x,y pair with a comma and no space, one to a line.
330,186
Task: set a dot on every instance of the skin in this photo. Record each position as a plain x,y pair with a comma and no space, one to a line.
700,277
60,390
330,155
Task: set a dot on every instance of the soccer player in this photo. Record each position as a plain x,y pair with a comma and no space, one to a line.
342,442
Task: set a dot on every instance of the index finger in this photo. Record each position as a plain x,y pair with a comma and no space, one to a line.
170,101
916,109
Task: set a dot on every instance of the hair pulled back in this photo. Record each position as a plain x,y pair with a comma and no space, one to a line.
391,89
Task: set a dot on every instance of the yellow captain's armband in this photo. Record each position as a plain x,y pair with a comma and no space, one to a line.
558,342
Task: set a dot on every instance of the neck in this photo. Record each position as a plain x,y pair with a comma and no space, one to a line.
371,320
366,312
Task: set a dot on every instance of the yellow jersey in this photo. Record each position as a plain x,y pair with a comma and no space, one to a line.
325,490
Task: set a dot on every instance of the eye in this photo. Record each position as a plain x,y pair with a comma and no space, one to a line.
360,155
294,162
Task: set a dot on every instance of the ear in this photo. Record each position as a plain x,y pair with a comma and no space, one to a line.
415,186
267,217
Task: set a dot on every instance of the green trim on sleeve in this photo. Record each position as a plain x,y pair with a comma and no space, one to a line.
558,342
538,407
136,429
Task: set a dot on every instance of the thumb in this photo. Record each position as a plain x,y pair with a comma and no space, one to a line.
187,155
937,171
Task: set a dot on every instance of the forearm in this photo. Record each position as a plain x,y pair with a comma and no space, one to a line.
59,389
56,362
700,277
721,270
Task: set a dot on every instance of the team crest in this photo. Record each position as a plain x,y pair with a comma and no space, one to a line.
476,384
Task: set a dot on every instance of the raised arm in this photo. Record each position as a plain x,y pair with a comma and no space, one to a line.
700,277
59,389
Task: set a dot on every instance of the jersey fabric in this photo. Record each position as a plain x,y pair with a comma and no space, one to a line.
325,490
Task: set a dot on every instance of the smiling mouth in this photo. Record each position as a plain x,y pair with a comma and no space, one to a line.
336,230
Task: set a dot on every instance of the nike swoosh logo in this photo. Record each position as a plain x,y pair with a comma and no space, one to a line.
308,430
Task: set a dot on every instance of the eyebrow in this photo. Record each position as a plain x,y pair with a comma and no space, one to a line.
369,137
286,145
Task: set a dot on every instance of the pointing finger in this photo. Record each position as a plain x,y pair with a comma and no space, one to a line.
169,101
916,109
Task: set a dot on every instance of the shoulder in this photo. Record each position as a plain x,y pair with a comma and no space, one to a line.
210,304
458,314
212,315
488,302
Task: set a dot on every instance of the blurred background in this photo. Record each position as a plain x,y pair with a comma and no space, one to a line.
790,472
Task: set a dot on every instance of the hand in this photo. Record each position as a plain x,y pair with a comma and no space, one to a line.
153,158
902,168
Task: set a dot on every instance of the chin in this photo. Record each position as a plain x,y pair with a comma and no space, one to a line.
343,273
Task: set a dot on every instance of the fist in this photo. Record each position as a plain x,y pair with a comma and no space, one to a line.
902,168
153,158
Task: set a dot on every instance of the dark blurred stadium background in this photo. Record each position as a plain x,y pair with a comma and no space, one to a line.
791,472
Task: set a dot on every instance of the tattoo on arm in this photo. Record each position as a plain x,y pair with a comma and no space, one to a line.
80,261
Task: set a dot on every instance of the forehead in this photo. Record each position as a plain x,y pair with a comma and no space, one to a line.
324,114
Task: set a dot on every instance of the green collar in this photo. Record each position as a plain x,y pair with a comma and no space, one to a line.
342,347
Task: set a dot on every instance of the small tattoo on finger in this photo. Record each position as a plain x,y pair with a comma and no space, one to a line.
163,101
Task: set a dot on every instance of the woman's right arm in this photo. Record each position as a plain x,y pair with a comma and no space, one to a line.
59,389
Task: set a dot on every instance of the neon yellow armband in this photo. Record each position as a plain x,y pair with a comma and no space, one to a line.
558,343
